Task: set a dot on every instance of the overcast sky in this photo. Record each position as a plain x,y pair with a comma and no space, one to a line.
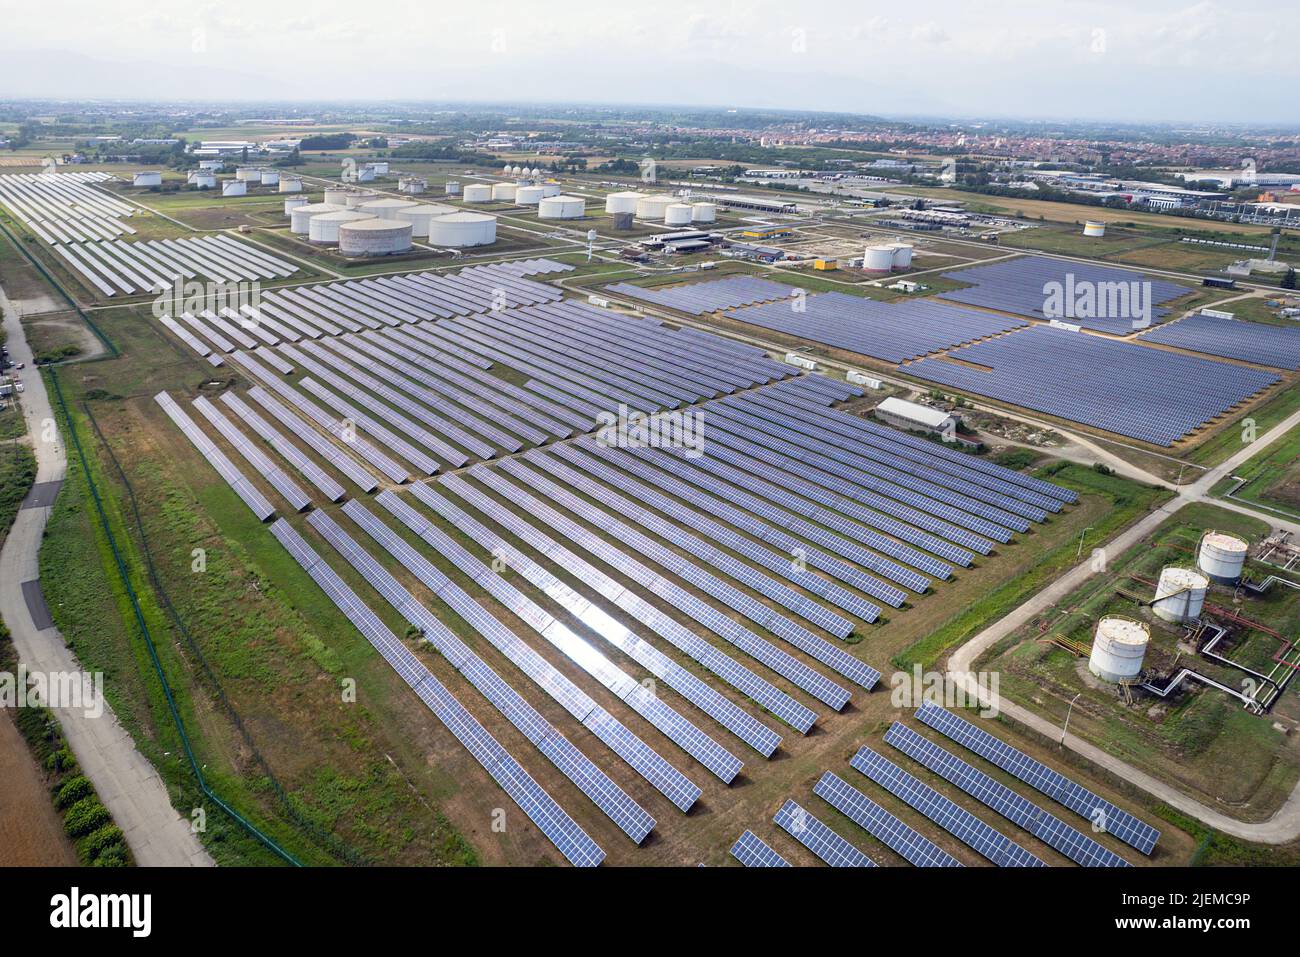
1137,60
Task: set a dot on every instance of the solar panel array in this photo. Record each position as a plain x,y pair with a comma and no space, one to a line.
1020,286
890,331
818,838
564,832
241,486
526,267
750,850
1147,394
273,474
953,818
149,266
711,295
1050,830
64,208
880,824
1257,342
1099,812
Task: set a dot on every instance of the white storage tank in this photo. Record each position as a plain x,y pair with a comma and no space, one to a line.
380,167
529,195
902,256
561,207
1180,594
1118,648
1222,556
366,174
622,202
421,214
147,178
300,216
202,179
704,213
504,191
1094,228
878,258
248,174
337,195
477,193
359,197
385,208
214,165
323,228
652,207
290,184
505,170
374,237
677,214
233,187
270,177
463,229
551,189
293,202
516,171
452,189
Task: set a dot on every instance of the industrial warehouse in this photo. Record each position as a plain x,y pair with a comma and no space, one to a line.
522,484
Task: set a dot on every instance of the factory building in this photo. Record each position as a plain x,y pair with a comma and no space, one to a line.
374,237
758,204
915,417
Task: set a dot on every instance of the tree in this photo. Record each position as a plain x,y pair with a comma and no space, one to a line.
1288,281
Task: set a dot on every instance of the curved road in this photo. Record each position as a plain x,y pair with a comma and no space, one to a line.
1284,826
127,783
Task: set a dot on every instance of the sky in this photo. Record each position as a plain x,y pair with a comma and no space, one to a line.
1140,60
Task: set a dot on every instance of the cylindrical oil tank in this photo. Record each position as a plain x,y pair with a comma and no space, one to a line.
551,189
385,208
561,207
337,195
233,187
323,228
704,213
878,258
300,218
293,202
1180,594
374,237
529,195
248,174
420,215
477,193
504,191
147,178
270,177
1118,648
902,256
1094,228
290,184
677,214
452,189
359,197
622,202
652,207
203,179
623,220
463,229
1222,556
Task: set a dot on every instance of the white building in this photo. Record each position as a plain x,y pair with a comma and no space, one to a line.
915,417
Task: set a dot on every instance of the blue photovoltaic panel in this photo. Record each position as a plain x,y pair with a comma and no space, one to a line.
818,838
750,850
1050,830
1022,286
570,839
1099,812
880,824
708,296
953,818
1148,394
1257,342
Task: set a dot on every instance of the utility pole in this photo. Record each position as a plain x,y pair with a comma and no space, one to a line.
1068,711
1081,534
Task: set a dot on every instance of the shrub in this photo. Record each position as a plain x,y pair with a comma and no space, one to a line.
85,816
73,790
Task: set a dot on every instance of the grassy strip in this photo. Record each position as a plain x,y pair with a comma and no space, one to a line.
1128,501
1219,850
99,842
17,473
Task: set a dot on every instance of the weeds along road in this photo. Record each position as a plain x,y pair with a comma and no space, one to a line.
1284,826
127,783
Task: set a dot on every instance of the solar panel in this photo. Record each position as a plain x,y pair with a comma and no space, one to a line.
1104,816
273,474
364,480
565,833
879,823
309,469
953,818
708,296
818,838
1050,830
1257,342
750,850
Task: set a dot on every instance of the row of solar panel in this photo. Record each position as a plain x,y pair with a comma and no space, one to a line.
707,296
156,265
1257,342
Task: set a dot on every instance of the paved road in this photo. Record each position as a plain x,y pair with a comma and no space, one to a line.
127,783
1284,825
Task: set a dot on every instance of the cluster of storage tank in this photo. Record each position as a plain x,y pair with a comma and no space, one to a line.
657,206
509,170
366,224
887,257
